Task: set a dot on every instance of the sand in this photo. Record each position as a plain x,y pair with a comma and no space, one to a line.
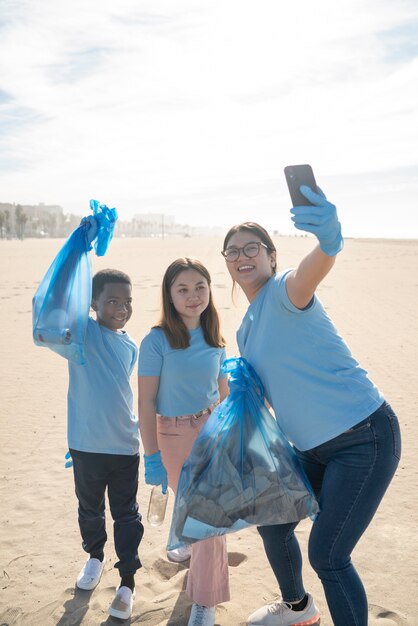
372,295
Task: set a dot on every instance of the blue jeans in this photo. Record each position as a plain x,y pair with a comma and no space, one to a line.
93,473
349,475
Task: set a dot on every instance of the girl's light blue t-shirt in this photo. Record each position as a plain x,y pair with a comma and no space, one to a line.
100,400
188,377
315,386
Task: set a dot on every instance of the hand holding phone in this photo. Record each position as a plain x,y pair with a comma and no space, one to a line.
311,210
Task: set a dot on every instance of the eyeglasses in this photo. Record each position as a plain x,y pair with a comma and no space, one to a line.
250,250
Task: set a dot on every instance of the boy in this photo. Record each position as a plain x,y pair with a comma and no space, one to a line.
103,436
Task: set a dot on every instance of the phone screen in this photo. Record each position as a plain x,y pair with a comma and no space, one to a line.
297,175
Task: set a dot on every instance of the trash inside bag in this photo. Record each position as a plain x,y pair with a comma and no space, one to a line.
241,471
61,304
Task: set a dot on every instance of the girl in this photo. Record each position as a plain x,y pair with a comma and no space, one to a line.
346,436
179,385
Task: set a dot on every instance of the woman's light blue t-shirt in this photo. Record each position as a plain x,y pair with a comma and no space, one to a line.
100,400
315,386
188,376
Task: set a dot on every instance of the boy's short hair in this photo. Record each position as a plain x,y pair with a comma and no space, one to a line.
100,279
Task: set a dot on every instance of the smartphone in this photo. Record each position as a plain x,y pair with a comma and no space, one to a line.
297,175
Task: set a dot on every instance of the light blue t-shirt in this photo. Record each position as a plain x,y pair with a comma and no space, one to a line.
100,400
188,376
315,386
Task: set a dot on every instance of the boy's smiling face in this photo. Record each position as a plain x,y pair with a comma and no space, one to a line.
113,306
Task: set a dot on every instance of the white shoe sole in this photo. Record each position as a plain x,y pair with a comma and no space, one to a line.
120,614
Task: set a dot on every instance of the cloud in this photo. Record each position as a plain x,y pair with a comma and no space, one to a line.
400,44
186,100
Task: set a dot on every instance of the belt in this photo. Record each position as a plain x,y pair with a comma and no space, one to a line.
191,416
202,412
196,416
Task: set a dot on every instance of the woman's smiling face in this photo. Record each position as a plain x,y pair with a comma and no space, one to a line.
250,273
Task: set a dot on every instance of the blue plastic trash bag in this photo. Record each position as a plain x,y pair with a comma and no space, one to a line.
241,471
106,221
61,304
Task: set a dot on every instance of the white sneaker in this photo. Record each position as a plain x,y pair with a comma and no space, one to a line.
281,614
90,575
180,554
202,616
123,603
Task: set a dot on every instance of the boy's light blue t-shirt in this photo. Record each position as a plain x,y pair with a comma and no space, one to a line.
188,376
100,400
315,386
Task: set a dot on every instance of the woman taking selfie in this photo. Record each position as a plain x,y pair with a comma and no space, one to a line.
345,434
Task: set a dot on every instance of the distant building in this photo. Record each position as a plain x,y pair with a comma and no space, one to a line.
153,225
161,225
43,220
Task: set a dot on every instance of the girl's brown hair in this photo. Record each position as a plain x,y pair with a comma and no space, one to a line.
171,322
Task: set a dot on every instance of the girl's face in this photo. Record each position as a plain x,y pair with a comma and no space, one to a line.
250,273
190,295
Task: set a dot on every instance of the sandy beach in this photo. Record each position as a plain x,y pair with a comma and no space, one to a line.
372,296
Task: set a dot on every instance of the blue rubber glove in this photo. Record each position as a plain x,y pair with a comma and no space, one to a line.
92,228
68,460
320,219
155,472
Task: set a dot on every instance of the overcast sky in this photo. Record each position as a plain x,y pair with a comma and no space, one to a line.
193,108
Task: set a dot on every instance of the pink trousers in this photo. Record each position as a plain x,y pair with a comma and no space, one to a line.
208,580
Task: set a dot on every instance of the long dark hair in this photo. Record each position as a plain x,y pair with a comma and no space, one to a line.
170,321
